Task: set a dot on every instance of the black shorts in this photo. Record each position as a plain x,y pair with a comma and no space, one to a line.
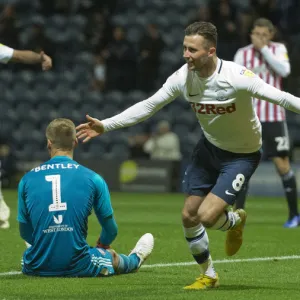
218,171
275,138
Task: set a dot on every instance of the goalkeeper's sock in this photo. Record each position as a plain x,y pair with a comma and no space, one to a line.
127,264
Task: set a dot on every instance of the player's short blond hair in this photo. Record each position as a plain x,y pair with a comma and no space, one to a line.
62,134
263,22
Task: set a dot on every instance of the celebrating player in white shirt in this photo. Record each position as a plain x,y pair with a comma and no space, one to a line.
220,93
269,60
8,54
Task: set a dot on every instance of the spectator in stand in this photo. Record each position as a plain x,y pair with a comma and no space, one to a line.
203,14
38,41
99,76
8,29
266,9
136,146
63,7
150,47
224,16
98,31
120,61
88,6
164,144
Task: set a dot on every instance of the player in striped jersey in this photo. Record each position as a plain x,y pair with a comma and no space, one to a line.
8,54
269,60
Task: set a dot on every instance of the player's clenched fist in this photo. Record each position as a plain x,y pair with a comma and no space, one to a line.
89,130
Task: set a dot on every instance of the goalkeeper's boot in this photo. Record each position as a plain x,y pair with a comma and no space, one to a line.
204,282
143,248
234,237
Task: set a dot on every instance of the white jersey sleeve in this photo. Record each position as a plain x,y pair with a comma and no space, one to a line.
254,85
6,53
279,62
146,108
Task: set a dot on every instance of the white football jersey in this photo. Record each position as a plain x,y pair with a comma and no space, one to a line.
6,53
222,103
270,64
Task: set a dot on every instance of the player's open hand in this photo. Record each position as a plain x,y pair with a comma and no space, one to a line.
89,130
46,61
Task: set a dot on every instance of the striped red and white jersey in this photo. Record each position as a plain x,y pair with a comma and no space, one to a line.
270,64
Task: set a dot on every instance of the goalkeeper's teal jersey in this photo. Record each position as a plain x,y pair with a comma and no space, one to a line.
56,199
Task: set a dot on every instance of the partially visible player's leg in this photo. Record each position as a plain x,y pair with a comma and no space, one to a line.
277,147
199,178
107,262
4,212
198,243
290,187
204,209
209,211
124,264
235,171
242,196
214,214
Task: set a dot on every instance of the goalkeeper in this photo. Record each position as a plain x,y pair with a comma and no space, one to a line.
54,202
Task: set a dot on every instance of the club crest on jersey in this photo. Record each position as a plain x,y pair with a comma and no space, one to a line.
221,95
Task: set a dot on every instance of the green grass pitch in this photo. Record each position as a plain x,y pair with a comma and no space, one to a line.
160,215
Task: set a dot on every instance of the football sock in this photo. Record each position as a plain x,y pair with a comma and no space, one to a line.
226,221
290,188
241,197
197,240
127,264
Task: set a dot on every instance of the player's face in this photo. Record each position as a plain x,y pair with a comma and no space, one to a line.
196,51
262,33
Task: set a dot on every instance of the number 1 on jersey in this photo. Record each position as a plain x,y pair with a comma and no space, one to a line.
57,205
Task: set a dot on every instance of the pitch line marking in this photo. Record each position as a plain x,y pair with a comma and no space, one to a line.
220,261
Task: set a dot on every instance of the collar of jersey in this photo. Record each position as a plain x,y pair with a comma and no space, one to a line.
213,74
60,158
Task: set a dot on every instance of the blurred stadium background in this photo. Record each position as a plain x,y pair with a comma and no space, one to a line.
110,54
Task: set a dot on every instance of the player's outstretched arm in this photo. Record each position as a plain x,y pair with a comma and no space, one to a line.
30,57
136,113
262,90
89,130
